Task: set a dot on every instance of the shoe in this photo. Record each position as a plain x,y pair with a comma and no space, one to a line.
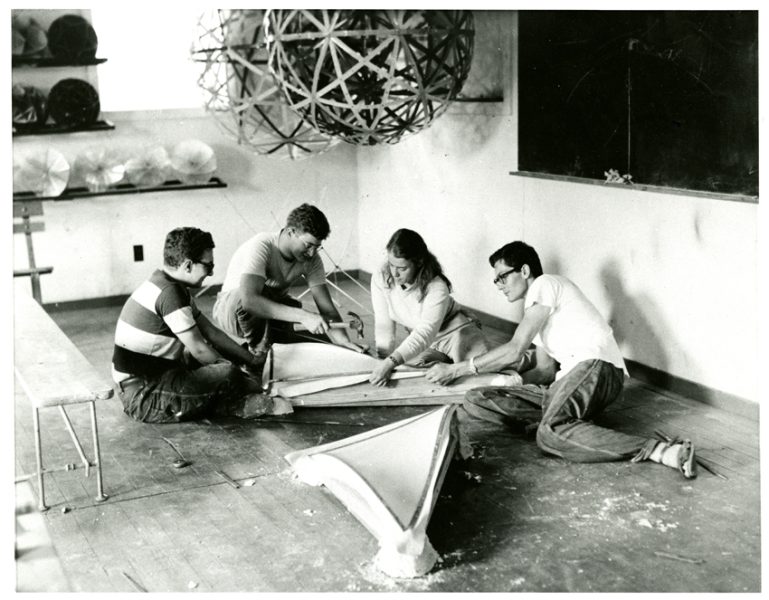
687,462
253,406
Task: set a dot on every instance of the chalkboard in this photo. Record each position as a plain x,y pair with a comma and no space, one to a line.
667,97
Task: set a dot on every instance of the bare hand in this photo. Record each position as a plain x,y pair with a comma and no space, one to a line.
315,323
441,374
381,373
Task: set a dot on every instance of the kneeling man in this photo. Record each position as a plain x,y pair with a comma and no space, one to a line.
575,372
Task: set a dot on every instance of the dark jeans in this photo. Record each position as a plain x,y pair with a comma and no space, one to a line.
186,394
564,412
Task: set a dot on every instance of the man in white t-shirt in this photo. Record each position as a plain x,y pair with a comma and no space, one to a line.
575,371
254,304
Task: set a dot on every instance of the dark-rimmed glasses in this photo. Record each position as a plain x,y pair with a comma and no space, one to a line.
502,276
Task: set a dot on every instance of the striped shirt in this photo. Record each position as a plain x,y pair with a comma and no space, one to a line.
146,343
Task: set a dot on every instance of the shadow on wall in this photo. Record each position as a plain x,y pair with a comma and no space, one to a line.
469,133
638,327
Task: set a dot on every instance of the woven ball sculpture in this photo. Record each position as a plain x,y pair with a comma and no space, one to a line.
241,93
370,76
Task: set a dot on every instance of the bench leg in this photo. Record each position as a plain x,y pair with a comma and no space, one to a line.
39,460
100,495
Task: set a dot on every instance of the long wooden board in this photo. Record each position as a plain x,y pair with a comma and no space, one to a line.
415,391
313,386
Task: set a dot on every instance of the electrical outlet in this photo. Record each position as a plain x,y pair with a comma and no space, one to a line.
138,253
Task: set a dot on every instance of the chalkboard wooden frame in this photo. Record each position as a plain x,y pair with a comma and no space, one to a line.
664,98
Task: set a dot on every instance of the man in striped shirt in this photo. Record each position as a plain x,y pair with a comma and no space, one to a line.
170,362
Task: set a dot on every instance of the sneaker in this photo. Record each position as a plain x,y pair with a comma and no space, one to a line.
687,462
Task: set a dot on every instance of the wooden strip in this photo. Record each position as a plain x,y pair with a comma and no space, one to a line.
396,393
31,208
29,227
35,271
327,383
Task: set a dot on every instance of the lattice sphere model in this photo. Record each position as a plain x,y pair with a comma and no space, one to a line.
370,76
240,92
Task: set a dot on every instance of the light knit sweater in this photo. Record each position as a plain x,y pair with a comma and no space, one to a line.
397,305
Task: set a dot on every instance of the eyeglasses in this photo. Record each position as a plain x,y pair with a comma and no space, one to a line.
208,265
309,246
502,276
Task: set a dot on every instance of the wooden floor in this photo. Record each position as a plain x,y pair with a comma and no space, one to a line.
508,520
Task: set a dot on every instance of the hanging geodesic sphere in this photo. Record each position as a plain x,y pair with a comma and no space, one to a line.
240,92
370,76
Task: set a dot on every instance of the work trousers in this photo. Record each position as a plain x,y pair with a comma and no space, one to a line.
563,411
258,332
185,394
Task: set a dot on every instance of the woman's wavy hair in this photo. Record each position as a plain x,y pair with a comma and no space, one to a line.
408,244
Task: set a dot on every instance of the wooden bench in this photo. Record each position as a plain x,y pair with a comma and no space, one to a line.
53,373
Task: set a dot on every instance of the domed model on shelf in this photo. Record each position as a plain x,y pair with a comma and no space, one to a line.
100,169
29,38
149,169
73,103
42,172
30,106
193,162
72,39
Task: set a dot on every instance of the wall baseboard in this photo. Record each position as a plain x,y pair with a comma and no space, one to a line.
106,301
693,390
650,375
660,379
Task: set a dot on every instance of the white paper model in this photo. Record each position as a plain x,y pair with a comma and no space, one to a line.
389,479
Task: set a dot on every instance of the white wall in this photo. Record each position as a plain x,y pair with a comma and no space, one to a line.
675,275
89,241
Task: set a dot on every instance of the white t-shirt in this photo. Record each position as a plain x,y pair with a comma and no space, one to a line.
260,256
396,305
575,330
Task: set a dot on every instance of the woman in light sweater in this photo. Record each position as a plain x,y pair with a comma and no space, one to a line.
411,290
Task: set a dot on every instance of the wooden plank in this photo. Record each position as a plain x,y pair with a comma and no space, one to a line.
29,227
30,208
50,368
292,390
406,391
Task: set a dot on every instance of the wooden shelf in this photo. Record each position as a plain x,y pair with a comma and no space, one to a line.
50,61
52,128
121,188
488,99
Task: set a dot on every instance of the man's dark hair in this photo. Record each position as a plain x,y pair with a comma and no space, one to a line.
186,243
517,254
309,219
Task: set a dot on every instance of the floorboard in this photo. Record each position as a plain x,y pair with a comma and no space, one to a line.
510,519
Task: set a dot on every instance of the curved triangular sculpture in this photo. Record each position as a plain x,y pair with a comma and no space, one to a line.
389,479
